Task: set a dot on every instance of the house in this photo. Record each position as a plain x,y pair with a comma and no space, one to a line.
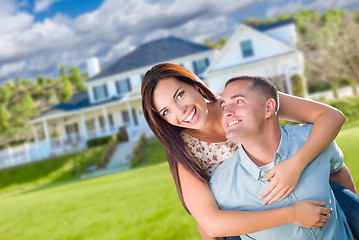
268,50
113,99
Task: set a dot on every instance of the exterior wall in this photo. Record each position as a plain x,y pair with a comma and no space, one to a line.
287,66
285,34
263,47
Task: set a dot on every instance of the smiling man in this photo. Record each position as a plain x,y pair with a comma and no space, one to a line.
250,104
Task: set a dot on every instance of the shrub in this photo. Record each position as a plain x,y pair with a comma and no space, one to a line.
138,151
298,85
349,106
122,135
98,141
108,151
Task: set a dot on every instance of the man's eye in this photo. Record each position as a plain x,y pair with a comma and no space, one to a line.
239,101
165,113
224,108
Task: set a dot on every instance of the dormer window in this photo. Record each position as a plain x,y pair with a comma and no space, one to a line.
100,92
247,49
200,66
123,86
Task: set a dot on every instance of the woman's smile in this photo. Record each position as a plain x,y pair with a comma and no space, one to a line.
192,116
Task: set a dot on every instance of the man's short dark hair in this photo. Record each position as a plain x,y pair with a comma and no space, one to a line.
259,83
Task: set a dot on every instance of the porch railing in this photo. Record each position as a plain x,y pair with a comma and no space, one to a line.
59,145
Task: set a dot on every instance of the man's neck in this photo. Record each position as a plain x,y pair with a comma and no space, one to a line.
261,149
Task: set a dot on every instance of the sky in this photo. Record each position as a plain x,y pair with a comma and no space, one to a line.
37,37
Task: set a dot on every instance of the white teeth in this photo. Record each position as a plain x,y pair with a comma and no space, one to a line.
190,116
232,123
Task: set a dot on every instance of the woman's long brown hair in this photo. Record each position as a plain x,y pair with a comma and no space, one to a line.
167,134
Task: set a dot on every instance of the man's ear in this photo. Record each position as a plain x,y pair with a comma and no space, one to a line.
270,107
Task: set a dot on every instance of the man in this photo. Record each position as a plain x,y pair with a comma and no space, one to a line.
250,104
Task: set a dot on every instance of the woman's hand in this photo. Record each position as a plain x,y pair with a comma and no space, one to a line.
285,176
311,213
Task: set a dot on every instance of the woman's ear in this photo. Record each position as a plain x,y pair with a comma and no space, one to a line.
270,107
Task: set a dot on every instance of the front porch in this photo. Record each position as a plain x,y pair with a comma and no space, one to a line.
61,132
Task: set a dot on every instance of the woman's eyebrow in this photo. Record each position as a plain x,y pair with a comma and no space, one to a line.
174,95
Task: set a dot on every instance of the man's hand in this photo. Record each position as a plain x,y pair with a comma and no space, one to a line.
311,214
285,176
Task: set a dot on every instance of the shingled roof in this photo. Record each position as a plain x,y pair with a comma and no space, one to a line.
151,53
78,101
266,27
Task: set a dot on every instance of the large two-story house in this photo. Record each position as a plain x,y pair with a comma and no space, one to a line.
113,99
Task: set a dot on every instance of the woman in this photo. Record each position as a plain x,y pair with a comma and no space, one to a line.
187,114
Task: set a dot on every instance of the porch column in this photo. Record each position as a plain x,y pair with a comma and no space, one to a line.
105,116
84,129
289,83
129,109
36,142
129,128
47,135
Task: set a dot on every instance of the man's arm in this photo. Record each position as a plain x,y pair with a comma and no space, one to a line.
343,177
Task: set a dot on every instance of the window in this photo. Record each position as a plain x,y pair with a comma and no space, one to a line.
100,92
53,131
123,86
280,82
134,116
71,129
90,125
125,117
102,122
200,66
247,50
110,119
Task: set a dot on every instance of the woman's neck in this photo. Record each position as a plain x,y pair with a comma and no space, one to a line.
213,130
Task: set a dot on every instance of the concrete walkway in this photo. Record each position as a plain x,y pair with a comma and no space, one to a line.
120,161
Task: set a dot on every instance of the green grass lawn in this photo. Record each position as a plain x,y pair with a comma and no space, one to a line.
48,171
136,204
348,141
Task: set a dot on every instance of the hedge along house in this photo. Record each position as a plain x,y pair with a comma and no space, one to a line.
268,50
112,101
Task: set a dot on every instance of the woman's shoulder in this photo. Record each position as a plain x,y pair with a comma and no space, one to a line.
194,144
209,154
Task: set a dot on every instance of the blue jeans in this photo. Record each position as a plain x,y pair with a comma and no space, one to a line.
349,203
